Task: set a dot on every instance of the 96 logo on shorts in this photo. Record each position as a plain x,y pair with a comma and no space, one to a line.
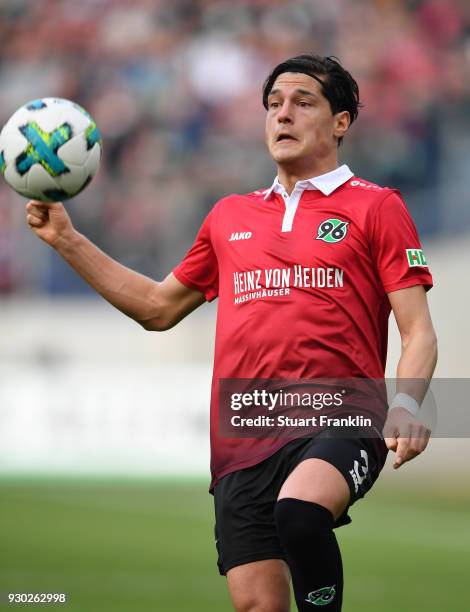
360,470
332,230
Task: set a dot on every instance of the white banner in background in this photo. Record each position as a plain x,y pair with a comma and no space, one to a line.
122,419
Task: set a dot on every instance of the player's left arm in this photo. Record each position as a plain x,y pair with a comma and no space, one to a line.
403,432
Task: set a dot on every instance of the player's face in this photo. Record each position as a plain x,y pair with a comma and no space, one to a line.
300,124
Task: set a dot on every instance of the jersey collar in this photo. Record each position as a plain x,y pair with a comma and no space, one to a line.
326,183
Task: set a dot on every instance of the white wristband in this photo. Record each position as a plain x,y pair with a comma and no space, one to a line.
403,400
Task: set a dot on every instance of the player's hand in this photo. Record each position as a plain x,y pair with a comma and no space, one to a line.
405,435
49,221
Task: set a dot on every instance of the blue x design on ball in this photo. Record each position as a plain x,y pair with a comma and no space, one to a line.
42,149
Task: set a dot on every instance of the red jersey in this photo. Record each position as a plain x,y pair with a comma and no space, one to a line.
302,283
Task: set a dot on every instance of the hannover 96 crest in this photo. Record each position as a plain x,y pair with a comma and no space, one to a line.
322,597
332,230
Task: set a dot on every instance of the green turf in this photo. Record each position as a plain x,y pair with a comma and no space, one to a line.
145,546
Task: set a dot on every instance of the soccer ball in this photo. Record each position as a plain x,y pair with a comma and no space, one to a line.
50,149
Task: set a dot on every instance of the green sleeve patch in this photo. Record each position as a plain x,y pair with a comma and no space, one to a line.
416,258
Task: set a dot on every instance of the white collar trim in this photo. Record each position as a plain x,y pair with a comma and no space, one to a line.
326,183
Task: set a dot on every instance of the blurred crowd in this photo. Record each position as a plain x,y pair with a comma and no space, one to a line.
175,88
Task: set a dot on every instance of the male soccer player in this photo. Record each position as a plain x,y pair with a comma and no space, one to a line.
345,253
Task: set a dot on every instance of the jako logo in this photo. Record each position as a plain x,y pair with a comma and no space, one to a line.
240,236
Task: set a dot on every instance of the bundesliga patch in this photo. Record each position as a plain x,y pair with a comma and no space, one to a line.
416,258
332,230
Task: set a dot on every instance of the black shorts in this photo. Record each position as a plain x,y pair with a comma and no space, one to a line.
244,500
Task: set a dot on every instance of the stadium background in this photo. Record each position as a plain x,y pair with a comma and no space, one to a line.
103,427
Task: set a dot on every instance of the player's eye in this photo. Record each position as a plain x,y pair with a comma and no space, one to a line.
274,104
304,104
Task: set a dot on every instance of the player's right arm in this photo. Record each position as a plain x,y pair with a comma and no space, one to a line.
156,306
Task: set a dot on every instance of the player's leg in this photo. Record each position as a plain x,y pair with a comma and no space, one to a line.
316,480
331,474
310,501
249,552
262,586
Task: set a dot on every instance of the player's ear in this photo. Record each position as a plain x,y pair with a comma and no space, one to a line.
342,123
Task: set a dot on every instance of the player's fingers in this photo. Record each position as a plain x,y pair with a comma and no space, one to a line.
419,439
37,208
43,207
34,221
36,204
402,446
402,449
390,431
391,443
38,213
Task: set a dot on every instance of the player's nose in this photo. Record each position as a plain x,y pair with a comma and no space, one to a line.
284,114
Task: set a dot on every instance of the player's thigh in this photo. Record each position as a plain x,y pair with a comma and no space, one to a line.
335,471
316,480
262,586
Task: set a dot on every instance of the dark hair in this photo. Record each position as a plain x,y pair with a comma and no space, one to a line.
338,86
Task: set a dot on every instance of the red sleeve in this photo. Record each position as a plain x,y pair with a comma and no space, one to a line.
199,269
396,248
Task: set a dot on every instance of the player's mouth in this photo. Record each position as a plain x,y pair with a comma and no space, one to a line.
285,138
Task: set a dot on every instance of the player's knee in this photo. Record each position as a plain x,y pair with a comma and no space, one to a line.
271,594
260,604
299,521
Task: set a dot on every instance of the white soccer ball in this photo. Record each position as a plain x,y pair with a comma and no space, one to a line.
50,149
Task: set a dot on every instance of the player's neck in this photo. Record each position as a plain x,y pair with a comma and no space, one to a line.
288,176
